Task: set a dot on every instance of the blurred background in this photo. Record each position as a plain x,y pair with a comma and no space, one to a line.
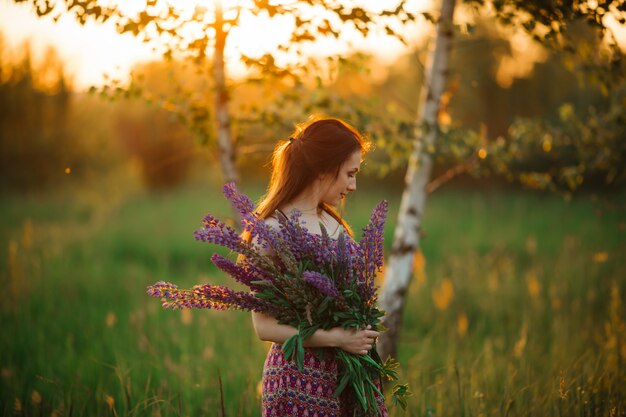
109,135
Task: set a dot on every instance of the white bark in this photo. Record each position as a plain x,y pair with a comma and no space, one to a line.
399,269
222,115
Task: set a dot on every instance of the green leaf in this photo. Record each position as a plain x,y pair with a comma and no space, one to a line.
266,295
371,361
288,346
342,384
359,390
299,353
375,356
368,381
323,305
263,282
348,363
308,332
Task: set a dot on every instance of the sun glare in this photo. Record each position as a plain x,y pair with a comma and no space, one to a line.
92,50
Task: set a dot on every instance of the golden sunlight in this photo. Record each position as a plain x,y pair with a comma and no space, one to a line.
88,51
92,50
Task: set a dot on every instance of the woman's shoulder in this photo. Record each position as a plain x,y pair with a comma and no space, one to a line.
332,225
272,222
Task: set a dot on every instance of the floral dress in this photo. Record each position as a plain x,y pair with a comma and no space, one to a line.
289,392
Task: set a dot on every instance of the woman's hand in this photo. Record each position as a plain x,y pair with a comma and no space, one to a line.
357,342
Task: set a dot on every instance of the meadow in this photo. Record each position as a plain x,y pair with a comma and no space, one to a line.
516,308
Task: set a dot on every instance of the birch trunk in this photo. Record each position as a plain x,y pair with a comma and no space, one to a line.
222,116
406,241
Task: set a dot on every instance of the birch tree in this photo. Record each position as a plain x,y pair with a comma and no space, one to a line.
222,114
407,238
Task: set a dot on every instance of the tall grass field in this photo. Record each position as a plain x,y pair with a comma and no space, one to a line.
516,307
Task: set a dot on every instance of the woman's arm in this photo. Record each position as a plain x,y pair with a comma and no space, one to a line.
358,342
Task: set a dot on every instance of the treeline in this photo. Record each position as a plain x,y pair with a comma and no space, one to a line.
35,145
51,135
550,124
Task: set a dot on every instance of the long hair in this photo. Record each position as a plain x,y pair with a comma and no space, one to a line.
318,146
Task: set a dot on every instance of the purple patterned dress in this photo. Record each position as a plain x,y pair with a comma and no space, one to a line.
288,392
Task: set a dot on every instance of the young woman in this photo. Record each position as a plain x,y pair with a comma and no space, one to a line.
312,172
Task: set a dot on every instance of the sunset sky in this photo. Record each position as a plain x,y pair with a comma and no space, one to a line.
92,50
95,49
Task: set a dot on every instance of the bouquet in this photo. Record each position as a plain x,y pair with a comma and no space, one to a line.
310,282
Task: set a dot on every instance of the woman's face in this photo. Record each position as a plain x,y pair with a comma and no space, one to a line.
334,189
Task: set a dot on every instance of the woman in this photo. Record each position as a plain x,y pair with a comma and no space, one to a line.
312,172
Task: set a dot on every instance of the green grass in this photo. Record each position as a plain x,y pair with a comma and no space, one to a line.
80,336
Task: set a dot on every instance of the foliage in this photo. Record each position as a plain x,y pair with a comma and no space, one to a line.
576,148
340,88
484,125
184,32
548,22
190,35
573,151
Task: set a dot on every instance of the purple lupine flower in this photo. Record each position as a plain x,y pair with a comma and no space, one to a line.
351,253
321,282
229,298
173,297
240,202
319,249
162,289
371,251
190,302
249,220
302,243
266,236
216,231
293,233
343,259
325,245
211,221
209,297
245,273
259,272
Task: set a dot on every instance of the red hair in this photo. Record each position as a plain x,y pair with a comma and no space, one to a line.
318,146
